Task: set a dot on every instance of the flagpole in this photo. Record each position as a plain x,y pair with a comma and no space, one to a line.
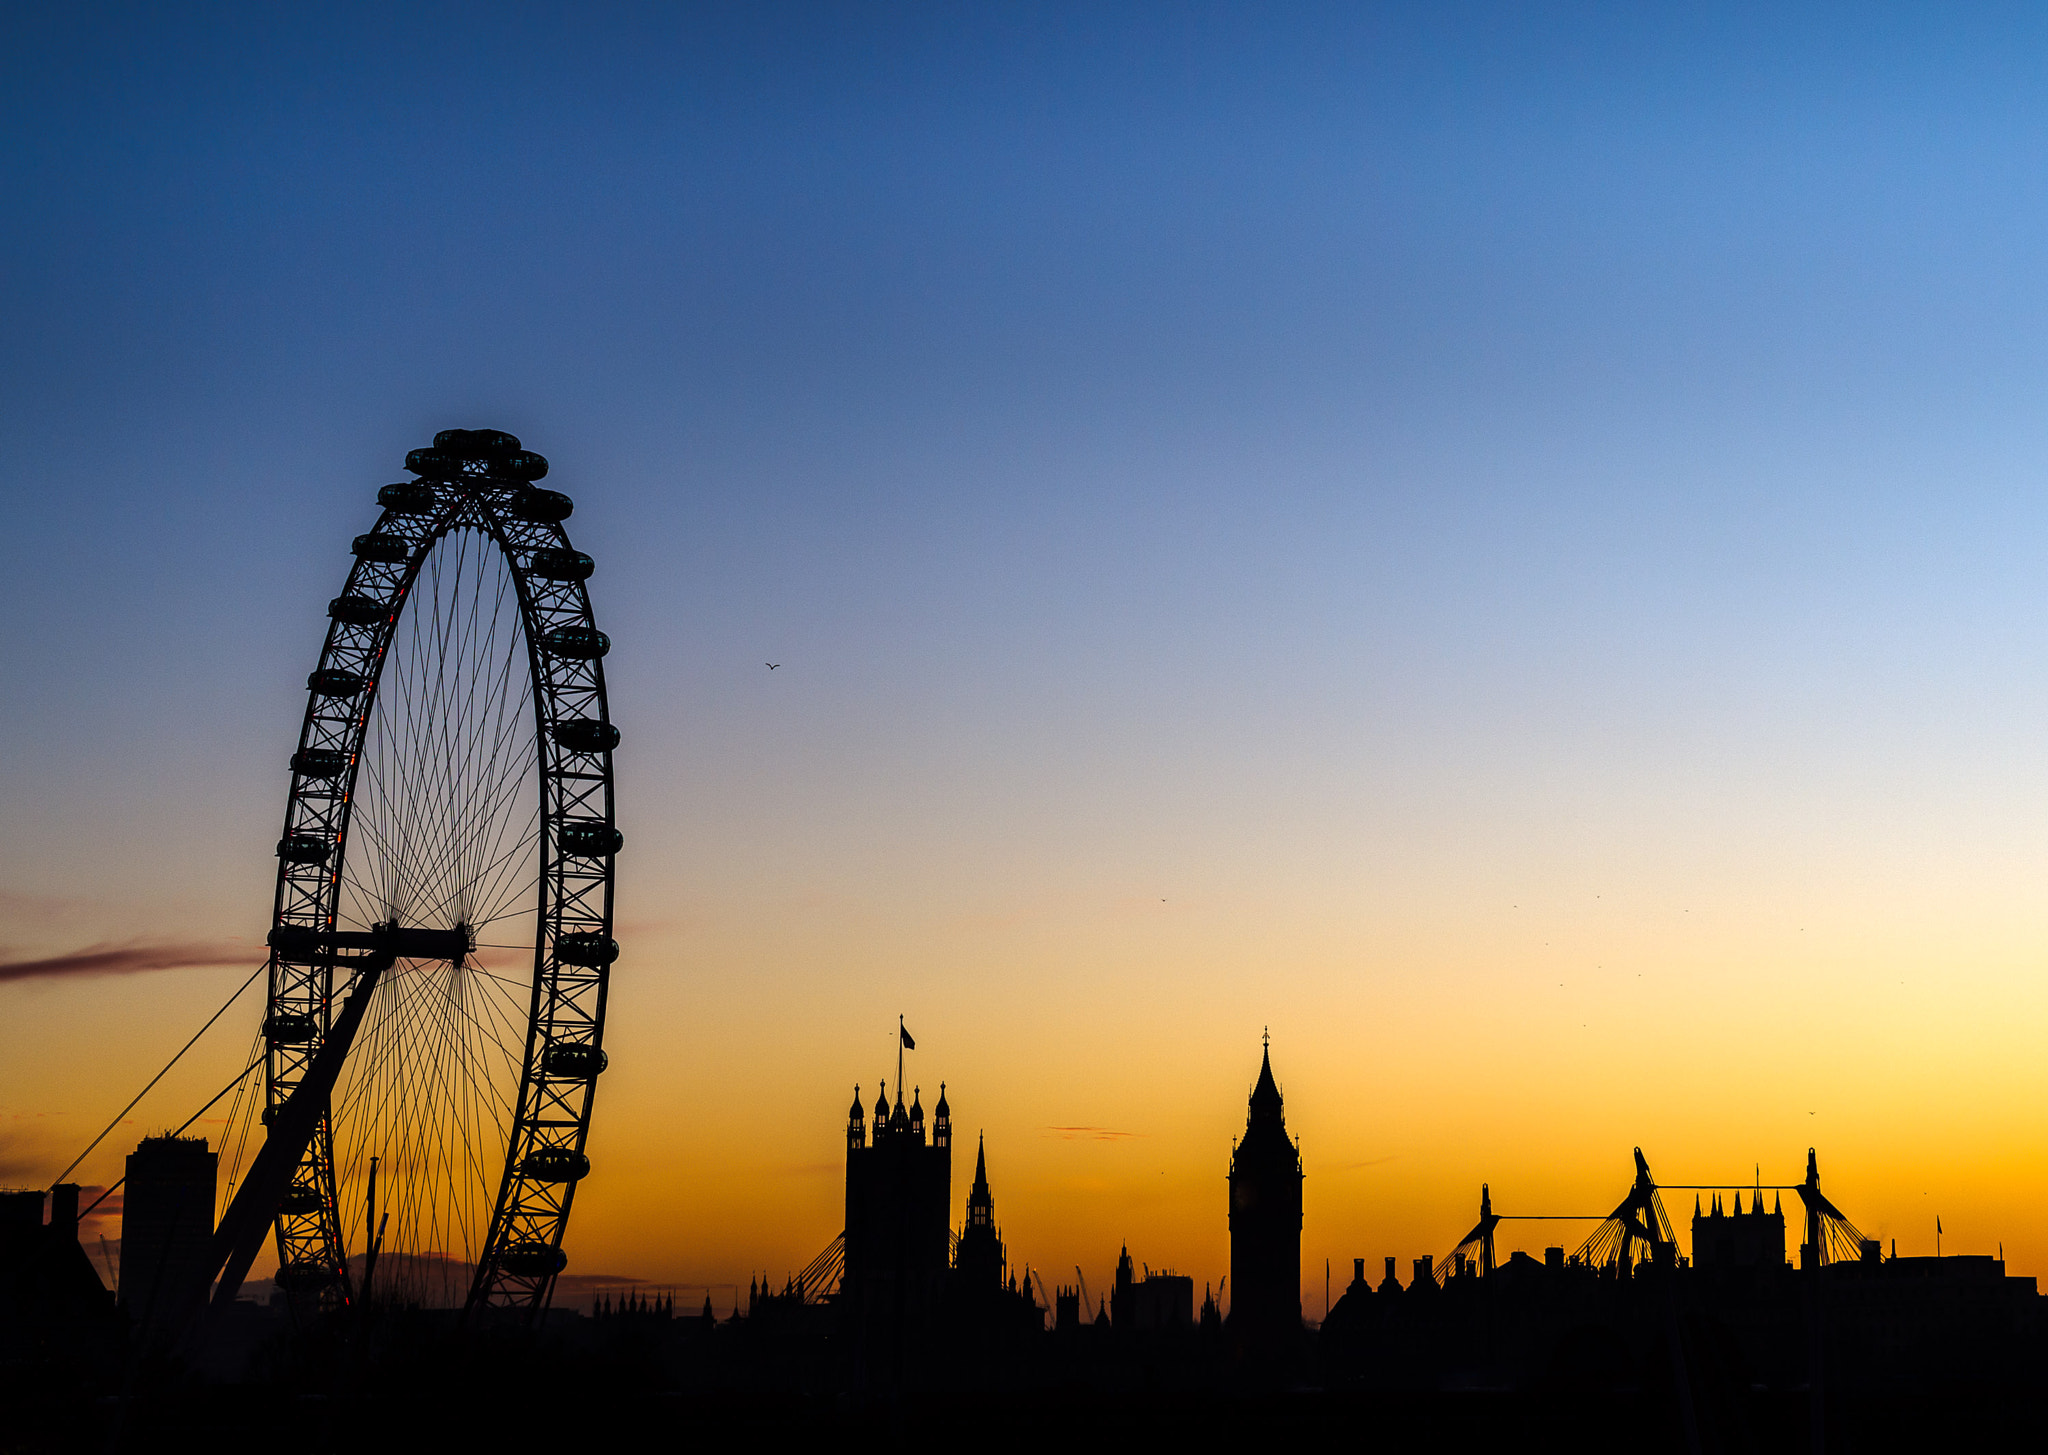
899,1060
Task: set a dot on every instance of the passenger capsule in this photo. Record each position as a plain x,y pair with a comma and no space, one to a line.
303,849
542,507
589,838
358,610
586,735
295,942
521,465
288,1028
333,682
576,643
388,550
299,1198
303,1276
554,1164
532,1260
319,762
573,1060
409,497
554,565
433,464
475,444
592,951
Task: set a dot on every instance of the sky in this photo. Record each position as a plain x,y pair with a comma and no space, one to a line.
1500,543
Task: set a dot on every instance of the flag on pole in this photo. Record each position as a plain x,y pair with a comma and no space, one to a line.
1937,1222
908,1044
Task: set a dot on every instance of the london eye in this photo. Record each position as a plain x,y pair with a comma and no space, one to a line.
442,933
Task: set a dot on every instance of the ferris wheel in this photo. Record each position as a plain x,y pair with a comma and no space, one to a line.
442,936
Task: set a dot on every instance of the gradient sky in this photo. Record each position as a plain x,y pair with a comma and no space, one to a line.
1503,543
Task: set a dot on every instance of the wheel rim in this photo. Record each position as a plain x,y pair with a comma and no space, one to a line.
453,774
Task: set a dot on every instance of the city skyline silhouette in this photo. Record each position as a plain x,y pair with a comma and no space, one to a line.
1501,549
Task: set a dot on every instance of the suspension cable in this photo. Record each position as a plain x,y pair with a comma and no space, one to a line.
240,1077
160,1076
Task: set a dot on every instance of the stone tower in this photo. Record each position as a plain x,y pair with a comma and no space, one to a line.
1265,1232
898,1242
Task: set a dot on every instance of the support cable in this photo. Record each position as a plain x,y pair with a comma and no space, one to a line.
240,1077
163,1073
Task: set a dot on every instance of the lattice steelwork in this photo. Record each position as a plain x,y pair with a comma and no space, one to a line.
453,775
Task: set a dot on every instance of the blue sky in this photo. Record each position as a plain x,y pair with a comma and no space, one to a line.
1360,459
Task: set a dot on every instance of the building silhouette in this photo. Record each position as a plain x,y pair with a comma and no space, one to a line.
1727,1241
898,1235
57,1320
1156,1301
914,1312
979,1265
1265,1231
166,1226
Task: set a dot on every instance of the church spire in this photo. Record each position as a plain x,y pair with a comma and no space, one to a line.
1266,1104
981,1203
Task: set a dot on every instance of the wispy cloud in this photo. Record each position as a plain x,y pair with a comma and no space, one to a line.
130,959
1097,1134
23,1165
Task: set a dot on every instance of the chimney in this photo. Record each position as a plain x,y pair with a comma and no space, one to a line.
64,1211
1358,1270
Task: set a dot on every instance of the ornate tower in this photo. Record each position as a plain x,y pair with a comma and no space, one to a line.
898,1188
1265,1230
979,1264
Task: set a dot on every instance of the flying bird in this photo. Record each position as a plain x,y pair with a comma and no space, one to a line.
773,665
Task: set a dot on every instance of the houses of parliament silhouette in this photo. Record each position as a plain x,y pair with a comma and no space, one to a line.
906,1294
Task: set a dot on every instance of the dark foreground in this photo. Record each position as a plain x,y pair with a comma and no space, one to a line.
413,1385
568,1415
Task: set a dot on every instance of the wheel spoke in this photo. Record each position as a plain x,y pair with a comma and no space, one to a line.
443,827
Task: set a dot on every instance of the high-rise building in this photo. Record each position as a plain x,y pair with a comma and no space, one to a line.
166,1226
1265,1231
